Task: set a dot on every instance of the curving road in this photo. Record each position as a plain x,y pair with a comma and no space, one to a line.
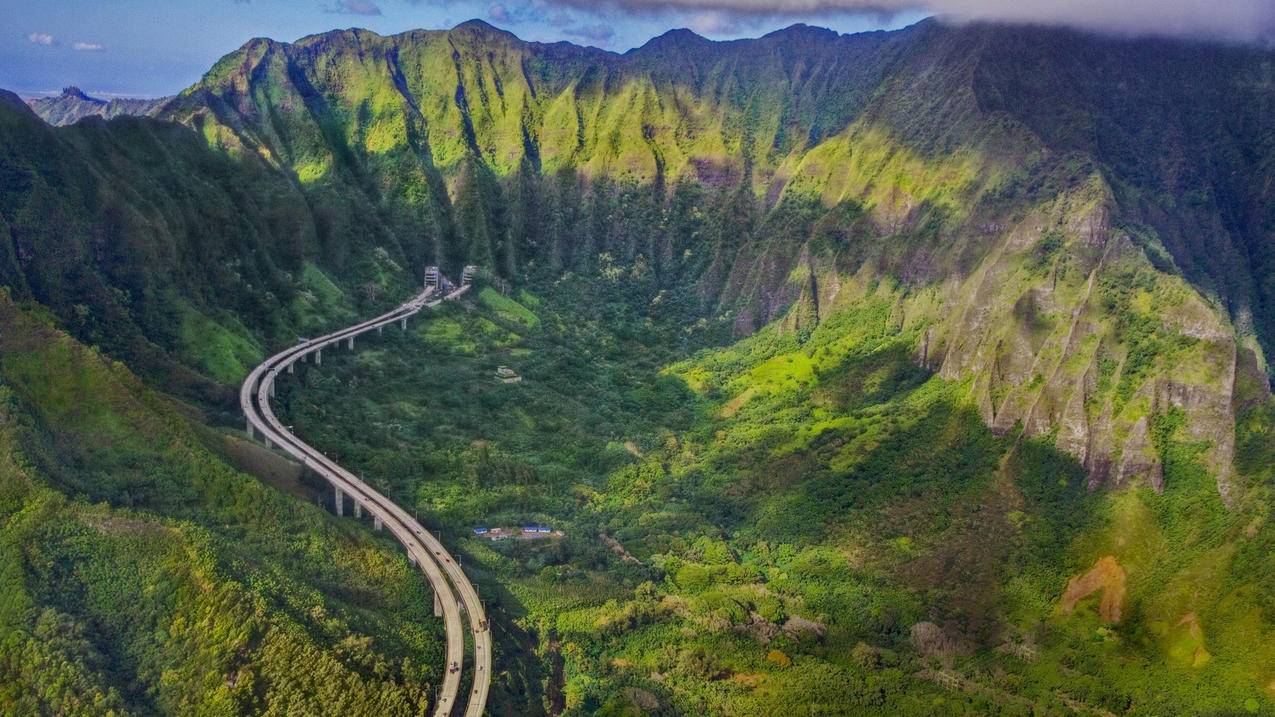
453,590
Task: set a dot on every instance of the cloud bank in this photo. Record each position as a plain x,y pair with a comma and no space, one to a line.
40,38
599,34
1246,20
86,46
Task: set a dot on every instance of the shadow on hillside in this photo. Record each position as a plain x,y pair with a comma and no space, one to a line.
933,499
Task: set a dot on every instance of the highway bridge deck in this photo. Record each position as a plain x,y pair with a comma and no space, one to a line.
453,590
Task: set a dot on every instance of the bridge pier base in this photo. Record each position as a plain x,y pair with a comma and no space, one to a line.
404,324
251,433
376,523
318,357
292,367
438,605
339,501
358,509
351,345
269,444
380,329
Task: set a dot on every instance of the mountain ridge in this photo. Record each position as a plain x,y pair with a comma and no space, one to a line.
877,362
73,105
422,132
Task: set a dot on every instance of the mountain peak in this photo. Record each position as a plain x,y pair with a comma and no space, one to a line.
9,99
483,28
674,39
477,24
74,93
679,35
802,30
481,31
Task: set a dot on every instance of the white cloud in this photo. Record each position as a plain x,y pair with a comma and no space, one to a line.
1235,19
499,13
40,38
598,34
356,7
86,46
714,22
519,11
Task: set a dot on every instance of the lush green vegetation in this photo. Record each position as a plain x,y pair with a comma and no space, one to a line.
144,575
909,373
759,529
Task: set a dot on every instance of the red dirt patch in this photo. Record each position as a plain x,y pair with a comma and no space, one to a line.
732,406
749,681
1107,576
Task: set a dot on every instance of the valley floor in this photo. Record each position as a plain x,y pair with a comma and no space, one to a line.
787,525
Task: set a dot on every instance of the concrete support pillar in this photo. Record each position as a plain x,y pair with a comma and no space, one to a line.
351,346
339,501
269,444
292,367
438,605
379,329
376,523
404,324
251,434
272,388
411,559
358,509
318,357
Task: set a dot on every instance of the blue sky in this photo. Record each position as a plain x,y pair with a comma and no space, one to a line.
145,48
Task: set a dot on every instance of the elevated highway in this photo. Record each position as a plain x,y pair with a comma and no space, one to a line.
453,591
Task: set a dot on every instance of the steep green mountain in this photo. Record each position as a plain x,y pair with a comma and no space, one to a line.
145,573
73,105
904,372
1081,224
172,256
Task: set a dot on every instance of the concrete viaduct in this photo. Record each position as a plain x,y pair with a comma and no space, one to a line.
453,592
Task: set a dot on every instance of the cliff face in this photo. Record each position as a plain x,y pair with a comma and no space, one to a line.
1083,226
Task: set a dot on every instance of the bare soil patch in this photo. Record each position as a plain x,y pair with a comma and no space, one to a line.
1107,577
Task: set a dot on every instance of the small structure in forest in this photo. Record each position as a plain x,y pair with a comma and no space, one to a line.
526,532
507,375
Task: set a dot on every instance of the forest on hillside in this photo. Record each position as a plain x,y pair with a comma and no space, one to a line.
912,372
